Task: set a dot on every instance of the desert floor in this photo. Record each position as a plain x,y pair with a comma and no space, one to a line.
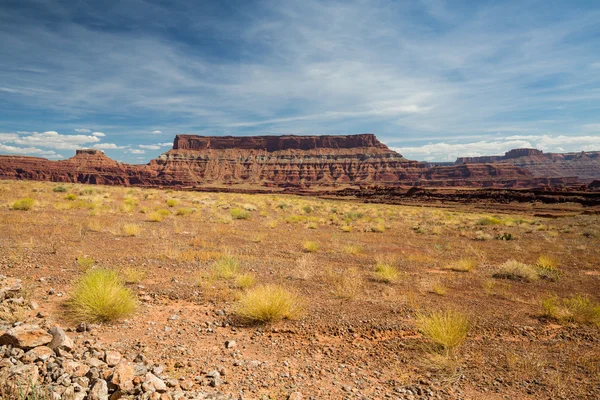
356,336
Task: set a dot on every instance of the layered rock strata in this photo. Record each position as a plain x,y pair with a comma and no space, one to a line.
279,162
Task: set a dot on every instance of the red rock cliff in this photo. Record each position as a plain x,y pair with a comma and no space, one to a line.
269,161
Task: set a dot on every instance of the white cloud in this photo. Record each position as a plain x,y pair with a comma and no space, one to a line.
82,130
108,146
54,140
157,132
98,134
166,144
150,146
444,151
28,151
137,151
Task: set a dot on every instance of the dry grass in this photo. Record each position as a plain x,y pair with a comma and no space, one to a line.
447,329
345,284
155,217
310,246
132,275
269,303
239,213
517,271
100,296
462,265
385,272
85,262
131,230
578,308
226,267
547,268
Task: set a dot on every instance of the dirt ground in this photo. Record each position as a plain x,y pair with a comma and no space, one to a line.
357,336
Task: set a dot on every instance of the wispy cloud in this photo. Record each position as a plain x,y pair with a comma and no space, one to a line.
407,71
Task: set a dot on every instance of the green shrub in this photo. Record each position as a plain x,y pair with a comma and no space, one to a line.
59,189
447,329
269,303
307,209
25,204
100,296
71,197
238,213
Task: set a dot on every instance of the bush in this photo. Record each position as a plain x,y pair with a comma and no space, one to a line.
131,230
345,284
172,202
346,228
379,228
59,189
307,209
238,213
245,281
25,204
71,197
578,308
310,247
517,271
269,303
100,296
447,329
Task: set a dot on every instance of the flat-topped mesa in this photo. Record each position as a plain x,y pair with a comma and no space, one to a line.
516,153
89,152
277,143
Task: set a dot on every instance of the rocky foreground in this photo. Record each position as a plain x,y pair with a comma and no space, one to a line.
295,163
45,361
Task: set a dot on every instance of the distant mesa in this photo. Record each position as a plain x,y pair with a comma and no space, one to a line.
293,163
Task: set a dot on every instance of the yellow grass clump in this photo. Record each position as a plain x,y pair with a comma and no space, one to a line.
385,272
447,329
131,230
269,303
462,265
172,203
25,204
238,213
517,271
132,275
578,308
226,267
547,268
310,247
100,296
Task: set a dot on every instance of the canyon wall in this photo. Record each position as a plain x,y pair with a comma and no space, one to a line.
583,165
280,162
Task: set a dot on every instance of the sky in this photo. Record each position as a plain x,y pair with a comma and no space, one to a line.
433,79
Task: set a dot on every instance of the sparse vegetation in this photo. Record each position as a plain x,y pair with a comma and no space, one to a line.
447,329
310,246
269,303
132,275
385,272
25,204
172,202
226,267
578,308
548,268
131,229
99,296
85,262
517,271
462,265
59,189
71,197
238,213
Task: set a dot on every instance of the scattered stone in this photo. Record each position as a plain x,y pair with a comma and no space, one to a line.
99,391
60,340
295,396
152,383
123,375
25,336
230,344
112,358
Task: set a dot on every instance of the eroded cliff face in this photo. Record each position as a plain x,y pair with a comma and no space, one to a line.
290,162
584,165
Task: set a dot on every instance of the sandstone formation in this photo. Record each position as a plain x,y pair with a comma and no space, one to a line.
302,163
584,165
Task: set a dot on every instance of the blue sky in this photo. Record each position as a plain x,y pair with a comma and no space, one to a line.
432,79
